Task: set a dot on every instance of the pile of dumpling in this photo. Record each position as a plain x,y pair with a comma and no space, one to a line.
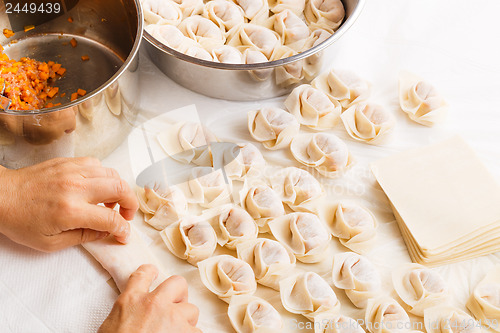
242,31
232,197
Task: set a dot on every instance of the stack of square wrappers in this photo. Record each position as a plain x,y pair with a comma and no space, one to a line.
445,201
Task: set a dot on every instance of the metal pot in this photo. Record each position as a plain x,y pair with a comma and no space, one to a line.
109,33
246,82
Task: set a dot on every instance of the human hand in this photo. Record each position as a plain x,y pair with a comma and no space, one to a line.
53,205
165,309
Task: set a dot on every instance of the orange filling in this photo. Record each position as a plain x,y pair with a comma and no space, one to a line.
27,82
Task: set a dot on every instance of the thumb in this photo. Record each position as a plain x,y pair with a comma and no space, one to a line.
78,236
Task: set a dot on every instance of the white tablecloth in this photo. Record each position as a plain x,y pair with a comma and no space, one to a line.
452,43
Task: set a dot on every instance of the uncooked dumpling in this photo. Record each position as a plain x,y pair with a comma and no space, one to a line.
190,239
289,74
188,142
297,188
419,287
269,260
357,276
224,13
354,226
302,233
254,36
162,209
254,9
314,62
203,31
447,319
250,314
420,100
208,188
334,323
296,6
190,7
161,12
227,55
233,226
484,303
227,276
344,86
262,203
324,14
257,57
197,51
313,108
308,294
385,315
240,160
324,152
291,28
274,127
368,123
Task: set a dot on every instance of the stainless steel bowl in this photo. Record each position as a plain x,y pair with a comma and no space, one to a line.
246,82
110,33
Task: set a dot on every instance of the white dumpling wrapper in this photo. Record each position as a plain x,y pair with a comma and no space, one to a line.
250,314
227,55
484,302
384,315
225,14
191,239
262,203
233,225
328,323
203,31
448,319
296,6
188,142
274,127
227,276
162,209
308,294
254,36
240,160
190,7
161,12
353,225
297,188
368,123
269,260
313,108
207,187
419,287
344,86
197,51
303,234
357,276
324,14
420,100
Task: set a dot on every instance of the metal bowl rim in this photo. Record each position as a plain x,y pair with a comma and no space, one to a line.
271,64
132,55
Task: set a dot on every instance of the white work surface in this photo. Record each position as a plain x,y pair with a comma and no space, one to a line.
452,43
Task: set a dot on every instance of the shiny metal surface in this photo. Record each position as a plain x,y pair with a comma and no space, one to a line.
246,82
109,32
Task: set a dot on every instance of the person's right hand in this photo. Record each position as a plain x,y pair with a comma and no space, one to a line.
165,309
54,204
